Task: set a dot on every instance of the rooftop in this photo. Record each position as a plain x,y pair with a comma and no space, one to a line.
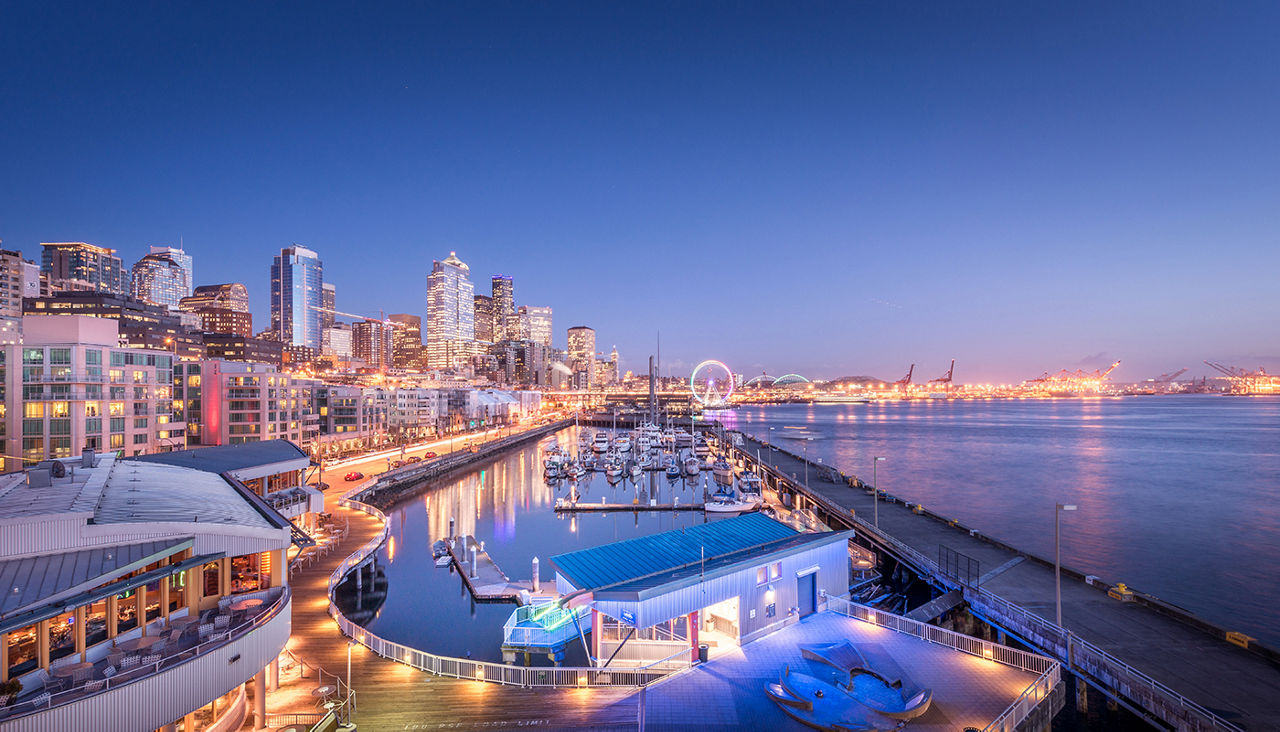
634,559
231,458
27,581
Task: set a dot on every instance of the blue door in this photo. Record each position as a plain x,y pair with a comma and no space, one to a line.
808,593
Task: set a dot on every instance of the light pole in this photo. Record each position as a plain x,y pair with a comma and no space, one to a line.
807,440
350,645
875,490
1057,555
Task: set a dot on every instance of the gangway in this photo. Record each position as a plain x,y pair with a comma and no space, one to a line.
543,628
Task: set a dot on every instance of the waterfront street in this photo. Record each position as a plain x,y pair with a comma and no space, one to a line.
1231,681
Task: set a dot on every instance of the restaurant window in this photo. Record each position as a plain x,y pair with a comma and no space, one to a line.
23,651
126,611
210,580
153,600
246,573
95,623
62,636
177,593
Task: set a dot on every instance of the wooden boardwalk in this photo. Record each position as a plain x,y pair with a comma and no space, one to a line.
392,696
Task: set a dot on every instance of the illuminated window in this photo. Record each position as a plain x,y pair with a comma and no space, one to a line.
33,410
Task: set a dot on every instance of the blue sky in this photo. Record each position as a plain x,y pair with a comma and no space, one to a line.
828,188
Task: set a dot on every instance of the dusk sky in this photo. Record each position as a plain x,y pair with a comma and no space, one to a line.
829,189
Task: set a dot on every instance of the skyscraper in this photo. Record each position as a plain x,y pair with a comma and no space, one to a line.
371,343
14,273
506,326
184,261
77,266
328,301
227,296
406,340
297,279
159,279
535,324
484,318
582,353
451,313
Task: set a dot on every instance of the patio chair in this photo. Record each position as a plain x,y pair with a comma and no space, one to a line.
42,700
151,659
53,685
223,604
94,685
220,635
109,671
115,658
205,630
174,637
222,621
129,662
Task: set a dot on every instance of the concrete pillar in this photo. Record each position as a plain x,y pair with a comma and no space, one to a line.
4,657
113,614
535,574
189,723
79,630
141,599
1001,638
273,677
42,643
359,580
170,727
260,700
1082,695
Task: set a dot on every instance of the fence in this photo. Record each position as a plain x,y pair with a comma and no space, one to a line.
341,712
1049,670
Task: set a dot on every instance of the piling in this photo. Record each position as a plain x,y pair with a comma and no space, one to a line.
535,574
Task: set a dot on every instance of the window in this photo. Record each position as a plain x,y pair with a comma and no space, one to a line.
92,409
33,426
140,423
140,438
93,425
33,355
117,359
775,570
126,611
117,424
93,356
59,409
33,410
139,377
117,441
116,409
210,580
139,392
193,380
23,651
59,426
60,356
117,376
762,575
59,447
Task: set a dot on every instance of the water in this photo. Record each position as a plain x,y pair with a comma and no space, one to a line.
506,504
1177,495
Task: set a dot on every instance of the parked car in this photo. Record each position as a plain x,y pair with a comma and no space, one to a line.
429,455
398,464
414,459
354,475
320,486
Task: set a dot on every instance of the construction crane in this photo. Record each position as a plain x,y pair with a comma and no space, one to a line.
945,379
380,319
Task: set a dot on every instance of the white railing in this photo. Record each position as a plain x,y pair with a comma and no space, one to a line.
142,671
462,668
1049,671
554,625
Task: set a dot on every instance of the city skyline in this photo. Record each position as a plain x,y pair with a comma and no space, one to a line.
1023,191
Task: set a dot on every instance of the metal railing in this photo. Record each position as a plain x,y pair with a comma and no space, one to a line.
344,696
142,671
1081,656
554,625
1049,671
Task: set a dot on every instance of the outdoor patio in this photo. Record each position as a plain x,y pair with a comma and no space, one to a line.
728,692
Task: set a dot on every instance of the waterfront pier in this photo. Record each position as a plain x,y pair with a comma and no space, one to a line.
1158,660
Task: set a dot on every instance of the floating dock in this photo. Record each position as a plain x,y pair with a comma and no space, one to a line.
489,584
583,507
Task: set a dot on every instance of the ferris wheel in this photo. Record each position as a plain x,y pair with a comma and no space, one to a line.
711,383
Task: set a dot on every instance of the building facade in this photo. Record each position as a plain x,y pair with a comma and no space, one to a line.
535,324
230,403
506,324
406,340
70,386
340,345
78,266
226,295
297,280
371,342
328,315
484,318
451,334
352,419
582,354
140,325
18,279
184,261
232,347
158,279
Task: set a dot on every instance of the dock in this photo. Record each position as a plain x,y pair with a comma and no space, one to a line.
580,507
490,583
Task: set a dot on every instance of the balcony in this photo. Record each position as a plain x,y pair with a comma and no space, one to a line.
196,660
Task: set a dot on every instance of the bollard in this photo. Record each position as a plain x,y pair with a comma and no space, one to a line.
535,574
450,527
474,573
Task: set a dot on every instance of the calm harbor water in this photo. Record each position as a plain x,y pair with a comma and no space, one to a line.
1178,496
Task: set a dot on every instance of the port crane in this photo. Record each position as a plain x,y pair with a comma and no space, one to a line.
945,379
905,382
1168,378
1244,381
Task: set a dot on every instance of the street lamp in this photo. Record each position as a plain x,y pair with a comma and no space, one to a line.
875,490
807,440
1057,555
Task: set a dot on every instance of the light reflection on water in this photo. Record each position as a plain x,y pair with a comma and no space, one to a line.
1178,496
506,504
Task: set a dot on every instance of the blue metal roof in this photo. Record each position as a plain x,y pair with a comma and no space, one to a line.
623,561
228,458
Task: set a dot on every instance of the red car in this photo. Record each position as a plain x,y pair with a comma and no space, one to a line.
429,455
354,475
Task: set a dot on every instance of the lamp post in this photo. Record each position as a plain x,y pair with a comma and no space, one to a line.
807,440
1057,555
875,490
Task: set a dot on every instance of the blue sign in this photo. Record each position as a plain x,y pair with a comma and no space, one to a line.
629,618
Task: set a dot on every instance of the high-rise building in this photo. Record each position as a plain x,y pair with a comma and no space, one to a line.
222,308
484,319
77,266
159,279
535,324
506,326
340,341
297,279
451,333
139,324
371,343
183,259
406,340
229,403
329,303
15,284
228,295
582,353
